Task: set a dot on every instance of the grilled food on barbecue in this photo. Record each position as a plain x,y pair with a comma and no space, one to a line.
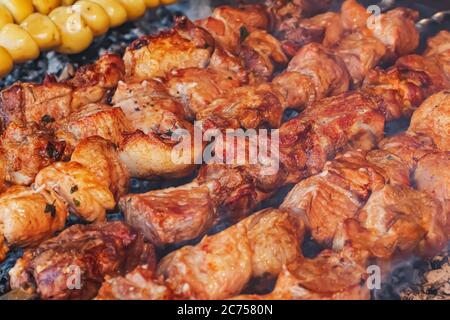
74,264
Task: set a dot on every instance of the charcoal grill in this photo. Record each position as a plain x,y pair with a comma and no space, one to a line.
407,279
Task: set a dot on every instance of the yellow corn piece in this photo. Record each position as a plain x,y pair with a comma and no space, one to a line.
75,33
19,43
43,31
5,16
116,12
6,62
95,16
46,6
20,9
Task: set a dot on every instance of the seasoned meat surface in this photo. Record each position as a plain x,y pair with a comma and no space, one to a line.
184,46
74,264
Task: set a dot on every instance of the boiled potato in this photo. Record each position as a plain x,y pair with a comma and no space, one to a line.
116,12
152,3
46,6
5,16
20,9
43,31
135,8
95,16
75,33
19,43
6,62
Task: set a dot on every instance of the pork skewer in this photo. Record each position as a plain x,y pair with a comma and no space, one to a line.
333,274
230,192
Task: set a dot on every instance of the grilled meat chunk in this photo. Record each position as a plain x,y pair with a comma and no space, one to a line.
360,54
82,190
438,50
160,132
26,150
262,53
229,26
170,154
101,158
93,120
410,148
397,220
432,118
396,29
184,46
139,284
197,88
432,175
313,73
221,265
28,102
74,264
50,101
170,215
329,276
149,107
216,268
28,216
326,70
326,200
93,83
248,107
325,127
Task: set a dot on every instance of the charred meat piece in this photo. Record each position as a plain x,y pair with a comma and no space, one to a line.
41,103
396,29
360,53
139,284
439,51
184,46
74,264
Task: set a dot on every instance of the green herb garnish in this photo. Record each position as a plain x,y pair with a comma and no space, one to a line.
50,208
243,33
47,119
